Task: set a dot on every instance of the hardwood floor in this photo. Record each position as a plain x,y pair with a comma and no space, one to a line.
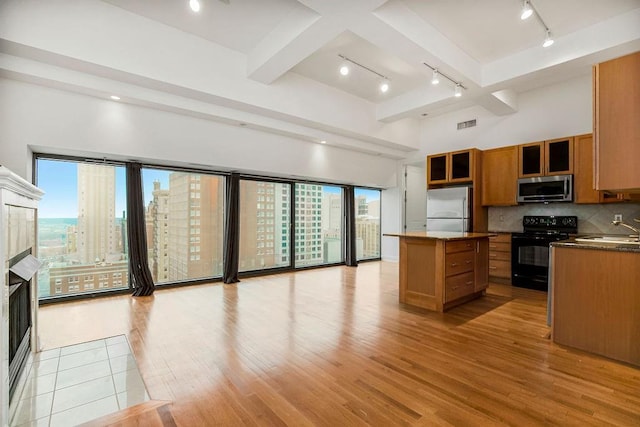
334,347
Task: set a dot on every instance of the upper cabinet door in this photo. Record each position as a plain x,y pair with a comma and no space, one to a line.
437,169
559,156
531,159
499,176
461,166
616,124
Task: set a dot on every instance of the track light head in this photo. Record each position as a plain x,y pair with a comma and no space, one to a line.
194,5
458,91
384,87
527,10
548,41
435,79
344,69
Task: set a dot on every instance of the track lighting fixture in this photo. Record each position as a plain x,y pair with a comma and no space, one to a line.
527,11
194,5
435,79
344,70
548,41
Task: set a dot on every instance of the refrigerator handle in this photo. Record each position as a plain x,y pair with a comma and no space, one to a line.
464,205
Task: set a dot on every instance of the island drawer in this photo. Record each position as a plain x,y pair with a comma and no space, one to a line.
458,286
460,246
460,262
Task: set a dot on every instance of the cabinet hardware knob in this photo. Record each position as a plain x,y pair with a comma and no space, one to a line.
493,268
454,264
470,282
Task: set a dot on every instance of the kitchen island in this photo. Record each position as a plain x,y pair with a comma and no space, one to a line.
595,292
439,270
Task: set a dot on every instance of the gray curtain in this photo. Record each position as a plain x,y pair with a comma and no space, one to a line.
232,228
141,280
350,226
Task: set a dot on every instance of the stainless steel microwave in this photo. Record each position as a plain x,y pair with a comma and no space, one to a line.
544,189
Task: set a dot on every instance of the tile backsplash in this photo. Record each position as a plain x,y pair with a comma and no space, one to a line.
591,218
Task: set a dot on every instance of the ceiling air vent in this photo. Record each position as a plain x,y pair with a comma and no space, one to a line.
467,124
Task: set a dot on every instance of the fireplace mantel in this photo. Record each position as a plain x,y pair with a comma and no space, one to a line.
14,191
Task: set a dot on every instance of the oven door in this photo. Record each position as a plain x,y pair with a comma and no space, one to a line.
530,260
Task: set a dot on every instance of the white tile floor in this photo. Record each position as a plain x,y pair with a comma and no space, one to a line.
72,385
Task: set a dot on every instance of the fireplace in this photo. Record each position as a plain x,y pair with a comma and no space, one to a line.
18,290
22,268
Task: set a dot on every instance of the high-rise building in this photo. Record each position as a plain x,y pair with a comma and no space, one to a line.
332,221
159,247
308,224
195,219
361,206
97,237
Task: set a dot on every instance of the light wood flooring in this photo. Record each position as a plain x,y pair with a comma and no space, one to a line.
334,347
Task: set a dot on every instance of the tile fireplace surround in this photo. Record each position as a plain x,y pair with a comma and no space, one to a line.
15,193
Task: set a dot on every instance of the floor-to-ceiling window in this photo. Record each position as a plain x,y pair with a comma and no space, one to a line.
265,225
184,223
319,224
367,207
81,227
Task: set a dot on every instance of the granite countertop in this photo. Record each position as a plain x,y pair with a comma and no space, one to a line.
620,247
441,235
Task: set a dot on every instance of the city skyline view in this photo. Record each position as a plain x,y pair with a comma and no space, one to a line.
85,248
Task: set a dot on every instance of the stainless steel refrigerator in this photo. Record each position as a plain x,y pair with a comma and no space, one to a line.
449,209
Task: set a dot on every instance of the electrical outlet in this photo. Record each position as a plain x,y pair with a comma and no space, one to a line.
617,217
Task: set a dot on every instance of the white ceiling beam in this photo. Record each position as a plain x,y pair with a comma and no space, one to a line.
617,31
297,36
500,103
400,30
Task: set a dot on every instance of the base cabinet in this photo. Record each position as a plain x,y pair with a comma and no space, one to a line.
439,274
500,257
595,300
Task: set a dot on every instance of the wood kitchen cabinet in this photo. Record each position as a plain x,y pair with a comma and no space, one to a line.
616,101
583,182
438,271
451,168
499,176
552,157
500,257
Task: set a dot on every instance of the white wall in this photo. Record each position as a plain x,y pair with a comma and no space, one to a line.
56,121
550,112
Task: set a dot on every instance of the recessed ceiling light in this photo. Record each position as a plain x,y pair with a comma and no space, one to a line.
344,70
194,5
115,98
323,142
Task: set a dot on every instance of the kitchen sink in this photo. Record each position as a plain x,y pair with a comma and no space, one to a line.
626,240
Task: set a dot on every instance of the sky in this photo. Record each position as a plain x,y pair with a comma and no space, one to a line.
59,180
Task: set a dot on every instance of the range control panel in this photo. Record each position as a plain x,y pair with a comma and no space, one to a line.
567,224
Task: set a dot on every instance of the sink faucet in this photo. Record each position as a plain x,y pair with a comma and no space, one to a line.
615,222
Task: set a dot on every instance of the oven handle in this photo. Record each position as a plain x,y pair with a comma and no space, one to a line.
529,238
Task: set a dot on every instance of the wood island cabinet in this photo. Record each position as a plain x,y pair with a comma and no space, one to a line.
439,271
499,176
595,300
616,102
552,157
